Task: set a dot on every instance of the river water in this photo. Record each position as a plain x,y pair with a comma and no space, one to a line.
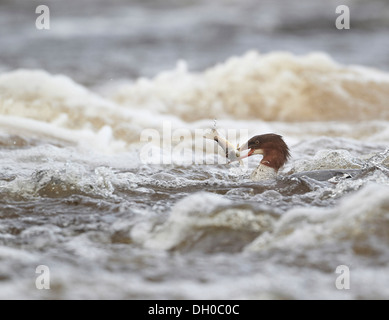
106,180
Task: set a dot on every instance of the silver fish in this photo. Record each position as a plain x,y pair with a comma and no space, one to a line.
231,153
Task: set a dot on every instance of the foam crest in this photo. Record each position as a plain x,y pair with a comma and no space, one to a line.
327,159
205,222
35,102
359,222
274,86
244,93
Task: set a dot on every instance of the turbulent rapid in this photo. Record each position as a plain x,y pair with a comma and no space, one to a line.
77,196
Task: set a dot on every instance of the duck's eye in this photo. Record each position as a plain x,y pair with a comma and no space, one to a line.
256,141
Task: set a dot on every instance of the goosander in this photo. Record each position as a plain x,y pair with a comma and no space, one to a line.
275,154
273,148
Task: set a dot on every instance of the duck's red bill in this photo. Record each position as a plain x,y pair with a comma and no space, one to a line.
249,153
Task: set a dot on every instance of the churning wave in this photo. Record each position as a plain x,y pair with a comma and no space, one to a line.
75,193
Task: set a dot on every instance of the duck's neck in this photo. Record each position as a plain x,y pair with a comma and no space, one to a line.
263,172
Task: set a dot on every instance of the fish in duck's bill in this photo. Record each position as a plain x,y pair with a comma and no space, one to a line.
275,153
232,154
